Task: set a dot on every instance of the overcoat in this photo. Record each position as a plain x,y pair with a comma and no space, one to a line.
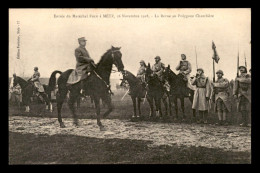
83,65
221,91
201,92
242,87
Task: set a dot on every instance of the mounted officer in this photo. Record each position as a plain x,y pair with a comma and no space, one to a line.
157,69
85,64
220,96
184,68
242,92
36,81
141,72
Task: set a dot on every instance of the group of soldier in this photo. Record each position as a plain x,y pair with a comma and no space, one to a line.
218,91
204,91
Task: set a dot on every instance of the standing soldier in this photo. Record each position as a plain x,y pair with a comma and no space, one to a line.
184,68
220,96
84,64
201,95
36,80
242,93
141,72
157,69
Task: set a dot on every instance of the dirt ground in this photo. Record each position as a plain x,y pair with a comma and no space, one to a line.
208,143
229,138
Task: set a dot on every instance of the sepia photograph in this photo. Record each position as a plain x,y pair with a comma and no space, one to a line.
129,86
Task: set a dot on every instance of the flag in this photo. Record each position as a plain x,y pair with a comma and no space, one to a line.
215,55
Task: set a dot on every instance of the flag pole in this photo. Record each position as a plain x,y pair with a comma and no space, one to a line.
196,58
213,70
245,59
238,63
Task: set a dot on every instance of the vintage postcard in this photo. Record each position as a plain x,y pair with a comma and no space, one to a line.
130,86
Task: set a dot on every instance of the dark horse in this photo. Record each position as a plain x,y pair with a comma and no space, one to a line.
97,85
178,89
155,92
27,92
51,86
137,90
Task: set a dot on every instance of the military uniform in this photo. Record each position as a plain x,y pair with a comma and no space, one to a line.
221,94
242,89
158,68
36,80
141,74
83,65
184,68
202,91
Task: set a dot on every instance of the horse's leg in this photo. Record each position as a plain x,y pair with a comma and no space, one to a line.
182,107
176,106
139,106
60,97
165,105
150,101
47,101
72,99
78,102
134,105
158,107
107,100
170,104
97,105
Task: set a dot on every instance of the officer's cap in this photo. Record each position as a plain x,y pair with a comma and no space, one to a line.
142,61
82,39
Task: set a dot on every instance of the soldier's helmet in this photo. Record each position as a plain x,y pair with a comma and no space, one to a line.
243,68
142,61
200,69
157,57
14,75
183,55
220,72
35,68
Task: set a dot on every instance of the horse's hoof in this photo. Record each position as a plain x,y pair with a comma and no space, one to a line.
62,125
76,123
102,128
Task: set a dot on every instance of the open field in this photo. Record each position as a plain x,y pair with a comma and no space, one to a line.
36,138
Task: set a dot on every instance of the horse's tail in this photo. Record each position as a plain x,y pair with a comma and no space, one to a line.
52,80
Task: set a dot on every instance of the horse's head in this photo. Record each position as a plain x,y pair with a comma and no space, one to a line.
15,80
117,58
168,74
149,75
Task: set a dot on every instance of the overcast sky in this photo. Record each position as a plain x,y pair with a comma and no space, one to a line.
49,42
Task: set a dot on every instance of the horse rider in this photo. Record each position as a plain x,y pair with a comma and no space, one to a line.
36,81
141,72
157,69
85,64
242,92
220,96
184,68
201,95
